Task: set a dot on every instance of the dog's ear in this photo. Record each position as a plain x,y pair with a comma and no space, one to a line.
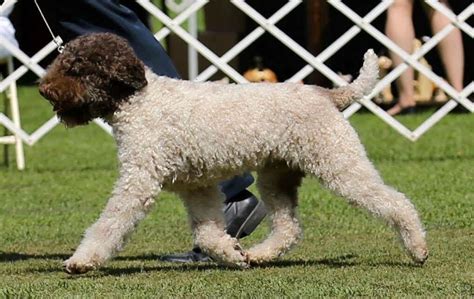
130,73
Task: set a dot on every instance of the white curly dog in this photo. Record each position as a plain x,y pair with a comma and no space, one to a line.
186,137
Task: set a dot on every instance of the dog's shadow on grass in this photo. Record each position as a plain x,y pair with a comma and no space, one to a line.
8,257
343,261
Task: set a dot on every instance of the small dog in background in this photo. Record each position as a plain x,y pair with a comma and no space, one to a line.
186,137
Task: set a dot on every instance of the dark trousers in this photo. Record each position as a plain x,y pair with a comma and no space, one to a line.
70,19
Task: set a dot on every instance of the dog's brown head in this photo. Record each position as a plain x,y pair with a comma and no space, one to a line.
93,75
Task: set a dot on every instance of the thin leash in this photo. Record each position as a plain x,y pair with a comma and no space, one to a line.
57,39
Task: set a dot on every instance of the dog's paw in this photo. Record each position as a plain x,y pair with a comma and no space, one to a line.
229,254
240,258
419,255
235,260
72,266
255,258
416,246
257,255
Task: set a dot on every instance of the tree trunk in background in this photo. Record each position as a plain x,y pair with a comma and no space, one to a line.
317,22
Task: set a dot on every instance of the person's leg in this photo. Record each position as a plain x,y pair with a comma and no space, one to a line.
399,28
450,48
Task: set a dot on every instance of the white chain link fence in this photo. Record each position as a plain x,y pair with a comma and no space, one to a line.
187,9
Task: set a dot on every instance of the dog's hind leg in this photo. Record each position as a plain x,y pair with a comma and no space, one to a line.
346,170
278,188
204,206
132,198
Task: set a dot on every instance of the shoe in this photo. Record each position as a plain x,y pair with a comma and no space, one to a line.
193,256
243,213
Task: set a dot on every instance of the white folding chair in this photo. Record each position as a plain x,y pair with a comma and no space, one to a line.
11,101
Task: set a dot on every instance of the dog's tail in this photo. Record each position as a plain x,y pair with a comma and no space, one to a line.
345,95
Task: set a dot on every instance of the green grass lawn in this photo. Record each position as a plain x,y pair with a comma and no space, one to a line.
70,173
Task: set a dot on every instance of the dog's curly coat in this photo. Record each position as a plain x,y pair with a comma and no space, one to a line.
186,137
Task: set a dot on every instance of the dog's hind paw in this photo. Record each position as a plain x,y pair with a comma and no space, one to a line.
258,255
76,267
420,255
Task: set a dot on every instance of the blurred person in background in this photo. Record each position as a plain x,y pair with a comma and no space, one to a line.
6,30
400,29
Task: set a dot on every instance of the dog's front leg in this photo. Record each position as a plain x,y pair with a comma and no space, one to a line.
204,207
132,198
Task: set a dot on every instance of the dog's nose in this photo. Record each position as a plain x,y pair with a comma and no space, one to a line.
42,89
